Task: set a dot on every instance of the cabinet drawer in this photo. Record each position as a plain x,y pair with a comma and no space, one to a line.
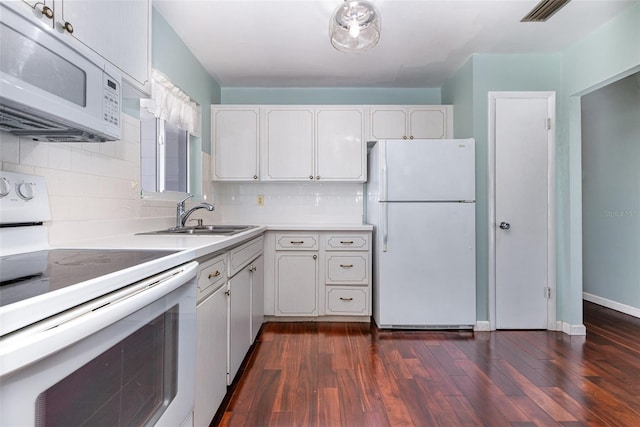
244,254
347,269
347,242
354,301
212,275
301,242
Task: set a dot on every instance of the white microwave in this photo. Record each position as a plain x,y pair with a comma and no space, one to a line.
48,90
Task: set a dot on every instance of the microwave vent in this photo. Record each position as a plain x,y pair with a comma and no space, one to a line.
20,123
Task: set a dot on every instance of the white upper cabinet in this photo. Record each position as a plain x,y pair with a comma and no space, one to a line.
118,32
340,145
314,143
235,139
410,122
289,140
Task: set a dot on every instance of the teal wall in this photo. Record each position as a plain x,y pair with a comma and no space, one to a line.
611,191
604,56
331,96
173,58
468,91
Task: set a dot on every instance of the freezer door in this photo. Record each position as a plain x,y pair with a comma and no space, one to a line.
428,170
427,275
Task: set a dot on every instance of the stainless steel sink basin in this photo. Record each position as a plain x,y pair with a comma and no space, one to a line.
225,230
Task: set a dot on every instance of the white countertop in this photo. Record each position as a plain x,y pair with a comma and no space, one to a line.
320,227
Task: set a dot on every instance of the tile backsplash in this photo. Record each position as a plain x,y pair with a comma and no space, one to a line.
94,188
94,191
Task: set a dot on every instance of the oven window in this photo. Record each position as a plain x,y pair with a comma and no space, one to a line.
130,384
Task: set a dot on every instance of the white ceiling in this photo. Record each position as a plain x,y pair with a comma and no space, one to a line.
285,43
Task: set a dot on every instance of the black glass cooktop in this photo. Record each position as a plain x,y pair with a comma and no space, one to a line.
30,274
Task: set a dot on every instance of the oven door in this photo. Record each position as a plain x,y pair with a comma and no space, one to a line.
123,359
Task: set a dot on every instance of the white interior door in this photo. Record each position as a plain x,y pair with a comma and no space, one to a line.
522,217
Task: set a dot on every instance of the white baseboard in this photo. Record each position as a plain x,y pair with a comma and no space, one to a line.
569,329
614,305
482,326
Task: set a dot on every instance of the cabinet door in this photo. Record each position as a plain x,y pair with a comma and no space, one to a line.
428,122
257,296
289,144
387,122
235,143
211,356
340,145
296,283
239,320
119,31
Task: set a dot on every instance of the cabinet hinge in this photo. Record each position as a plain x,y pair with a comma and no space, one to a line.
549,124
547,292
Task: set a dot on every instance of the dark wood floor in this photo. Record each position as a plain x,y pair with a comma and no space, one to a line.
348,374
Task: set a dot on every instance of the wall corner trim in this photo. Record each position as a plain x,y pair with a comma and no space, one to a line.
482,326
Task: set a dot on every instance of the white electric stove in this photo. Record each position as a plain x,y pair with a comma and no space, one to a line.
86,333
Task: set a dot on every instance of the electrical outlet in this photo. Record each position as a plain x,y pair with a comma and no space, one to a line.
260,200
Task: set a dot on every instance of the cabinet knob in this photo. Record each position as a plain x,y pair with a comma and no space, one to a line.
346,265
46,11
411,137
346,299
404,137
227,293
318,177
315,257
216,274
255,176
310,176
68,27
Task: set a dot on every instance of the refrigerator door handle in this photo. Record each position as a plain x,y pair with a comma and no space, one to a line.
383,172
385,226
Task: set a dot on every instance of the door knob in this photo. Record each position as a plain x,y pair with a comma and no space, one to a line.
505,225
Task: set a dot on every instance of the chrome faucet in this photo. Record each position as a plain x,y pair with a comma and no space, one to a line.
181,215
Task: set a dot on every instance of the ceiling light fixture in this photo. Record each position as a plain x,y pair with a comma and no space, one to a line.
355,26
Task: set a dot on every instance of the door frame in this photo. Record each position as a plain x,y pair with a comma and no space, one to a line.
551,202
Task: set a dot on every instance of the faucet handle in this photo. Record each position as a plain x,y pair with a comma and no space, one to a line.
199,220
181,202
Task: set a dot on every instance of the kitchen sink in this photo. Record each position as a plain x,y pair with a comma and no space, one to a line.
225,230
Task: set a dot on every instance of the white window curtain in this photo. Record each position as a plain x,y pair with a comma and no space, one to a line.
168,102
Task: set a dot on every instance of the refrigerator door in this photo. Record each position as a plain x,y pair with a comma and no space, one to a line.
427,170
427,276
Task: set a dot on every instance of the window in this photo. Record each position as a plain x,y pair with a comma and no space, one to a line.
167,121
164,156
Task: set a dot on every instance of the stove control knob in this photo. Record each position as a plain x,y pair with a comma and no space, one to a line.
25,190
5,187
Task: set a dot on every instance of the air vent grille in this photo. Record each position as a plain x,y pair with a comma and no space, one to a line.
544,10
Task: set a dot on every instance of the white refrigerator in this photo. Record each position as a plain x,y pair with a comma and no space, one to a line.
421,202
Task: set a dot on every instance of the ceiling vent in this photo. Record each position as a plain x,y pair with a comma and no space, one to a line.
544,10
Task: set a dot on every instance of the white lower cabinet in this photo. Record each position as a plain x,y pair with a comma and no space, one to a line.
230,312
239,320
257,296
320,274
245,316
211,350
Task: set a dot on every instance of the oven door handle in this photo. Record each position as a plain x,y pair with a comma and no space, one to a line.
45,338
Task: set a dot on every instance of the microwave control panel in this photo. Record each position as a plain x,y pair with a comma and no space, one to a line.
111,101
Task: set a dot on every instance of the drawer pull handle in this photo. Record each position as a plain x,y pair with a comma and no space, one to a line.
346,299
346,242
216,274
297,242
346,265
